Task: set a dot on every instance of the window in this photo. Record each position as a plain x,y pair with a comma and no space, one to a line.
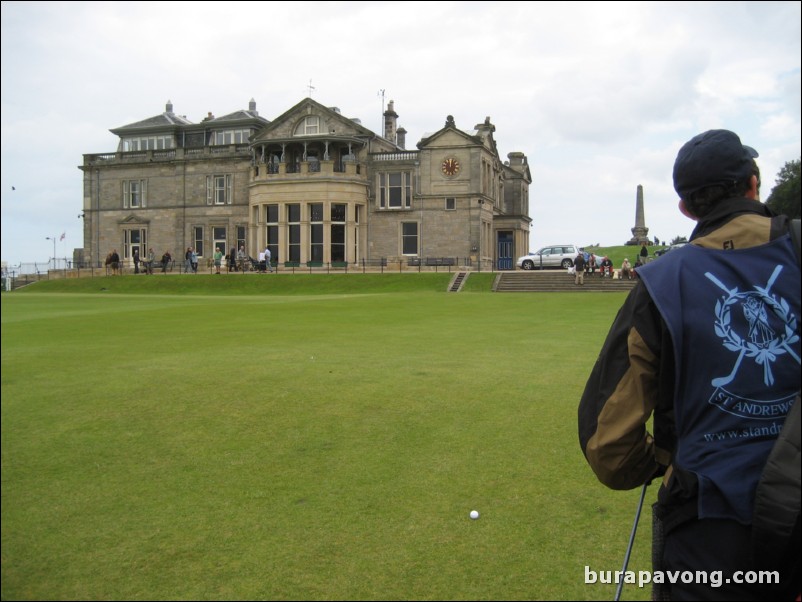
309,126
240,237
271,217
219,190
134,240
145,143
337,244
316,231
198,237
219,237
294,232
231,137
409,238
451,204
133,194
316,212
395,190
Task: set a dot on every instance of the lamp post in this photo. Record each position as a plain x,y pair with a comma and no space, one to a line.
53,238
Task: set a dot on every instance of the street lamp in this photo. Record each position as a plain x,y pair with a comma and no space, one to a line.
53,238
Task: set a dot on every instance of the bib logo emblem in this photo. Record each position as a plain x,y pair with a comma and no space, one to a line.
766,332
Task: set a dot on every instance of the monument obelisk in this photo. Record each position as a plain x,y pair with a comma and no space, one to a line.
640,233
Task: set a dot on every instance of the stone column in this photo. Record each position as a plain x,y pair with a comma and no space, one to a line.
640,233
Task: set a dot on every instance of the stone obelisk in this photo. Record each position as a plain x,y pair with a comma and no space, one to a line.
640,233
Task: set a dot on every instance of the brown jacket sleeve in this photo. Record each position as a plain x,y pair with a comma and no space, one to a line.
631,381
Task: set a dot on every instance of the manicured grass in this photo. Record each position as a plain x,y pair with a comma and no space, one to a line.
322,441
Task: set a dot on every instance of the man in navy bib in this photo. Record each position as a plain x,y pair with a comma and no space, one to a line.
707,344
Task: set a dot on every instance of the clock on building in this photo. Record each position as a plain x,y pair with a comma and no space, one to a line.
450,166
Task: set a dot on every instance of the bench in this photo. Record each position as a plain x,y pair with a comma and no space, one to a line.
378,263
434,262
439,261
157,266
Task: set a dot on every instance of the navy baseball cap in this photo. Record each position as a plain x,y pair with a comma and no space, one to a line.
711,158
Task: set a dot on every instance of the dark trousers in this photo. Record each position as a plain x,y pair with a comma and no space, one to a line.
725,546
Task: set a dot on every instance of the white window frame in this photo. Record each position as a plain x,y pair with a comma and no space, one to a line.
389,189
309,126
220,189
227,137
145,143
134,194
405,236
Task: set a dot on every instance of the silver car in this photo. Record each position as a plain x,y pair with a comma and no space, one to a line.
553,256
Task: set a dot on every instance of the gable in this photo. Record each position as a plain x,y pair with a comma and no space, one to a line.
328,121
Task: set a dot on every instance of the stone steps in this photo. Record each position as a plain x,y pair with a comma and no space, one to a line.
551,281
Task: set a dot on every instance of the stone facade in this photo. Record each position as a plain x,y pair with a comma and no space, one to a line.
313,185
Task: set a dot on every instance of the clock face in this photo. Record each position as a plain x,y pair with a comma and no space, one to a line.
450,166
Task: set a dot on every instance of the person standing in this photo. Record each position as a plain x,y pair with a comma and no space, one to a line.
579,269
268,265
136,261
706,343
218,260
166,259
194,260
115,263
188,260
151,258
241,257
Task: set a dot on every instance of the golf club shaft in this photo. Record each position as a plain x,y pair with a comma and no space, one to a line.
631,542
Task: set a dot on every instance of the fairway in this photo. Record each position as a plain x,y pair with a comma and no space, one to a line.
305,445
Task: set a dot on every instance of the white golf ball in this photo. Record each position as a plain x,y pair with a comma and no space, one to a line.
474,514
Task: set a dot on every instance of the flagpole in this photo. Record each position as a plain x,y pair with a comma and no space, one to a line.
53,238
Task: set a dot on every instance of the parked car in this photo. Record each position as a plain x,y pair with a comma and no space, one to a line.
677,245
553,256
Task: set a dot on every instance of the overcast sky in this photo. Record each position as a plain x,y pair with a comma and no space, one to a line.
599,96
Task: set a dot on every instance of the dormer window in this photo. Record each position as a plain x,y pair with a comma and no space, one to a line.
145,143
310,126
231,137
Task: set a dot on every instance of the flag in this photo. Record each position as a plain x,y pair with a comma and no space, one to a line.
63,234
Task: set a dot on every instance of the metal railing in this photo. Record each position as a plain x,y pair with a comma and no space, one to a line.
27,273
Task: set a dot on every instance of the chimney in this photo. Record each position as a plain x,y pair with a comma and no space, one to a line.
402,138
169,107
390,122
252,107
516,158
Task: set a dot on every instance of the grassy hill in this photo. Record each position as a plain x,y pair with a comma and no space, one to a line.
617,254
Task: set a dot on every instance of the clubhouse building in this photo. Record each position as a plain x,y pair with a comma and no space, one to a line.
314,186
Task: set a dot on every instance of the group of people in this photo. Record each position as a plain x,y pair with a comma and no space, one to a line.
191,261
236,260
705,354
586,263
113,262
147,263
